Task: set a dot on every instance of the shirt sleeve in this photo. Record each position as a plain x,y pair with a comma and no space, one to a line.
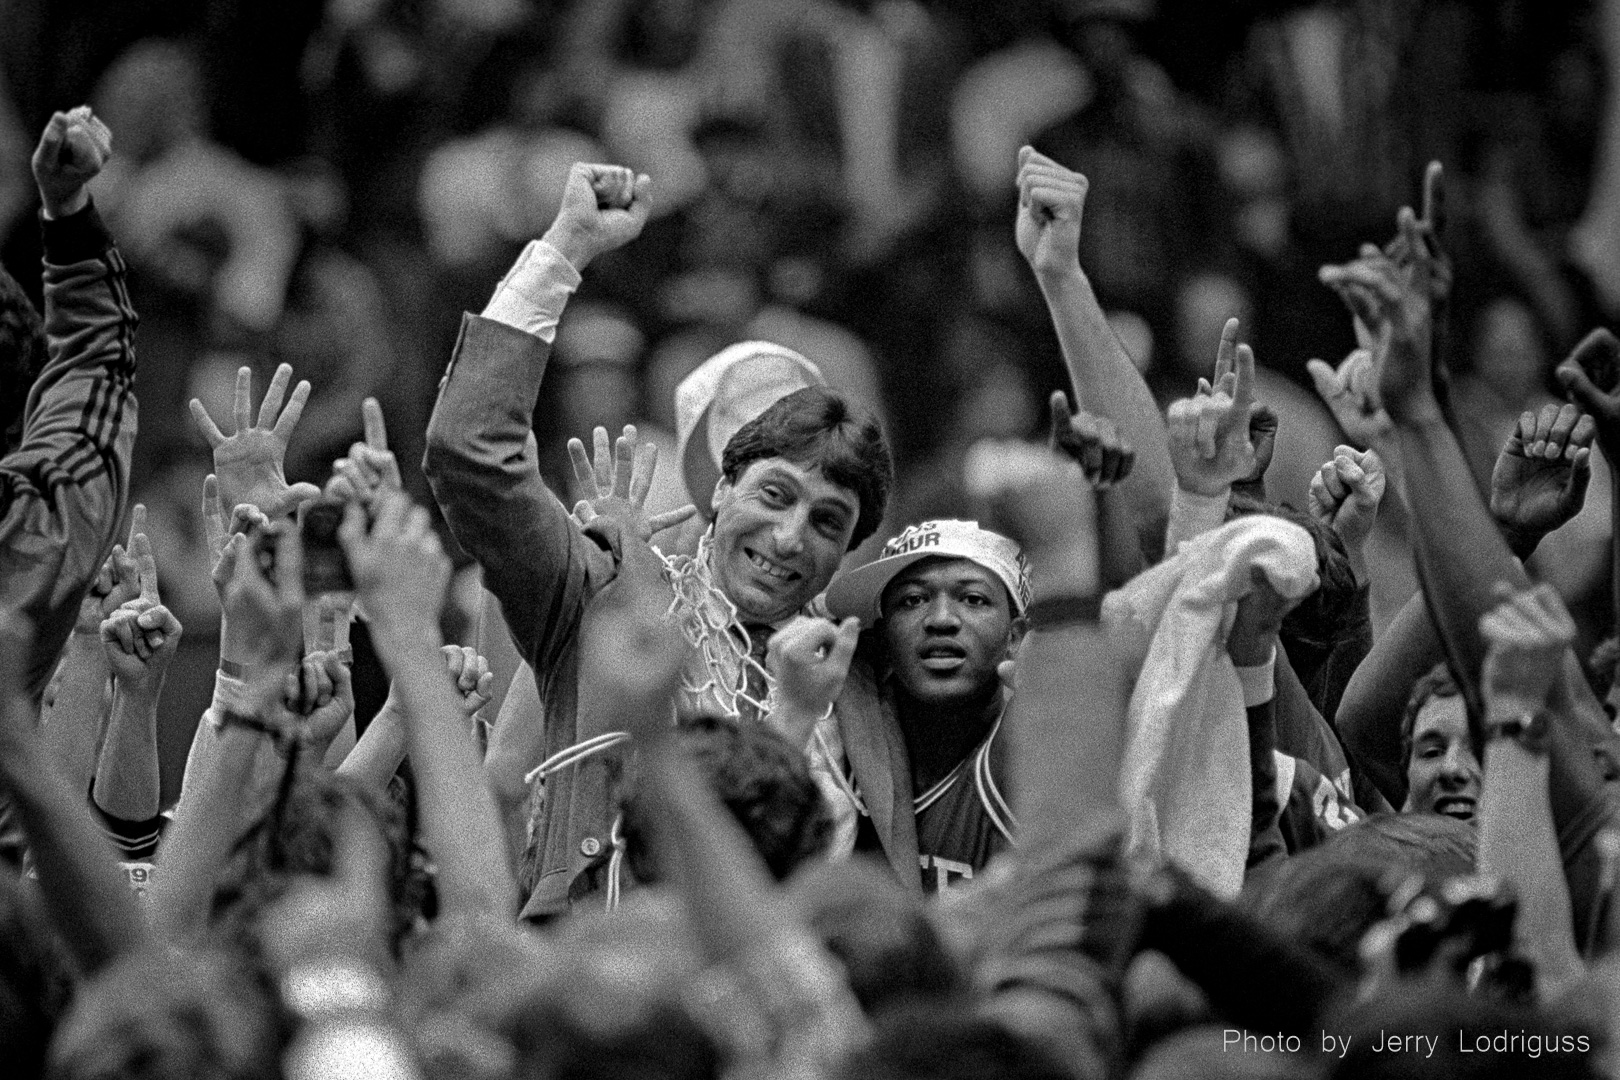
64,487
532,295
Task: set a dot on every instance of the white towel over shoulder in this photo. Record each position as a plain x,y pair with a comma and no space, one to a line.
1184,780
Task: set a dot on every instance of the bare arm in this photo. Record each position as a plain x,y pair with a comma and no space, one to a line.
1528,634
92,906
1105,381
400,575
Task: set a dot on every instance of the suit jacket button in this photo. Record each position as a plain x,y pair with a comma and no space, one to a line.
590,847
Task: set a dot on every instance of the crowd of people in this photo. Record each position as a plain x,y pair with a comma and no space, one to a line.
1219,731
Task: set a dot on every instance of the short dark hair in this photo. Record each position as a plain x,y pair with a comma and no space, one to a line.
296,836
1437,682
22,357
816,427
762,779
1327,898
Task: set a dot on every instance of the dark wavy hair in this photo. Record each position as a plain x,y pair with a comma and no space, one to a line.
761,779
814,427
295,838
22,357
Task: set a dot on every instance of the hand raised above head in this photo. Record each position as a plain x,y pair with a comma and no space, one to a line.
1590,376
616,483
248,463
1092,442
1540,479
604,207
1350,392
1345,493
72,150
1527,635
1051,204
399,567
1042,501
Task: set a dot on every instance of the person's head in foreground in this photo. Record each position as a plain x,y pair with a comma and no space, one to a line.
1328,897
1443,773
948,600
166,1014
758,776
801,484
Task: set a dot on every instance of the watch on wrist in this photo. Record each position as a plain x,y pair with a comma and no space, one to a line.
1531,730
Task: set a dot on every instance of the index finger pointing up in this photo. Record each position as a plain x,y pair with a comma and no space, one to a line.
141,548
376,429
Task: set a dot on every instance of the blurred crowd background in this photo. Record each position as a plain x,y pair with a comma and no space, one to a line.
330,183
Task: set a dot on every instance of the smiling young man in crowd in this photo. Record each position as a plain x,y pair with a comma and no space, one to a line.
801,485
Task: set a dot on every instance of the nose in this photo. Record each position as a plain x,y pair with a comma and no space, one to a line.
1460,768
788,536
941,616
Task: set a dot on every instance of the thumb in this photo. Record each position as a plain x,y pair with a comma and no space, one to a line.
1581,389
1059,406
843,649
1327,384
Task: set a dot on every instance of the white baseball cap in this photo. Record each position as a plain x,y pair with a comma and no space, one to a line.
860,592
724,393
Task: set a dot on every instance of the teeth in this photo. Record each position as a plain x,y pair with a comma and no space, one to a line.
770,568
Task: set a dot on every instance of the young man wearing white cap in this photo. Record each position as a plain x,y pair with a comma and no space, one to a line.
800,485
945,601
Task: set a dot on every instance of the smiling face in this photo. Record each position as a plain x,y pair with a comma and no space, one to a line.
947,623
780,532
1443,774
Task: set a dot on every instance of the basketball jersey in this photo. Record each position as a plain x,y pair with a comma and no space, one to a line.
963,819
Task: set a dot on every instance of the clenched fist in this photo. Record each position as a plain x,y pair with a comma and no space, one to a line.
72,150
604,207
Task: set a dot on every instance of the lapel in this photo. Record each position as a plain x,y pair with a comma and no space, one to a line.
877,756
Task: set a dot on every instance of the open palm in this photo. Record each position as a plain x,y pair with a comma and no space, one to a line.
249,462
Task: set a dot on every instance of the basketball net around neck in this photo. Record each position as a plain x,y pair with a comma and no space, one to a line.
722,647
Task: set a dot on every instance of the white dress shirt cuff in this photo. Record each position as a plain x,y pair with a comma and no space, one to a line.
1259,682
532,295
1194,515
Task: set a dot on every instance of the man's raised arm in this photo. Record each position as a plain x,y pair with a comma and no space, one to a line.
64,483
1050,202
480,460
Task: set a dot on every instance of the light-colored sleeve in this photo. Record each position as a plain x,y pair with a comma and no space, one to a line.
1192,516
532,295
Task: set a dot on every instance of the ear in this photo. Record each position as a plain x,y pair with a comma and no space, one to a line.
722,495
1015,635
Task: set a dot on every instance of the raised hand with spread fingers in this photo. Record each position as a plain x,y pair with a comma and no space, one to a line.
249,462
616,483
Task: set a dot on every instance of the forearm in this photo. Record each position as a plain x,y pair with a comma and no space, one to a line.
1518,843
381,750
127,783
72,725
1107,382
1369,713
88,899
1461,555
207,824
458,815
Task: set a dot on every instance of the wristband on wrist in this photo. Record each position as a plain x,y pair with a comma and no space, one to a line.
1259,682
1531,730
231,718
1054,612
230,668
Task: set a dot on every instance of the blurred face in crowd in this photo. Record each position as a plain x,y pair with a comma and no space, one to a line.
1443,774
947,623
780,531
